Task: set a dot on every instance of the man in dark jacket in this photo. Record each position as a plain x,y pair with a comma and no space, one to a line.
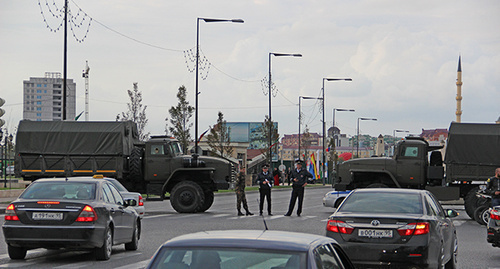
299,181
493,188
265,182
240,192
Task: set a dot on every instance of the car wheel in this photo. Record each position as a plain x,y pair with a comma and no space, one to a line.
209,200
134,244
16,253
104,252
452,263
482,214
187,197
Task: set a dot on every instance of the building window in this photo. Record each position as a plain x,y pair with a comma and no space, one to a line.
38,91
38,102
39,109
38,97
38,114
39,85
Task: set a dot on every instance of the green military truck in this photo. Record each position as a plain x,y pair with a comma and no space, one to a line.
471,156
154,167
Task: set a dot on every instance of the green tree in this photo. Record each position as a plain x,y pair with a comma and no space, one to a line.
180,116
305,142
218,139
264,129
136,112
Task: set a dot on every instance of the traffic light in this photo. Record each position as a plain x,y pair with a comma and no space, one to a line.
2,121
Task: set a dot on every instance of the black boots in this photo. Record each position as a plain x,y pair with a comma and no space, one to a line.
249,213
239,213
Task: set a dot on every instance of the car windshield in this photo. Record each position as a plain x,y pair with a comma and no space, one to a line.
118,185
228,258
60,191
379,202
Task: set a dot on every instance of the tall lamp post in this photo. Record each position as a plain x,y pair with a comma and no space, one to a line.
324,132
340,109
300,116
4,171
357,136
270,88
197,62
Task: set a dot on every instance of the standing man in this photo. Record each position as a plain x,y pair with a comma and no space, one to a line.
299,181
240,192
265,180
493,188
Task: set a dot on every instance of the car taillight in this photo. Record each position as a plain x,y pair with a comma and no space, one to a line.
141,202
338,226
88,214
414,229
495,214
10,213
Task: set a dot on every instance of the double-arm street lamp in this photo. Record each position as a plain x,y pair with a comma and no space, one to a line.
357,136
341,110
324,132
270,93
398,131
300,115
197,62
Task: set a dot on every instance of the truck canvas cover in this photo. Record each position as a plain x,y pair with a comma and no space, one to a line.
76,138
473,143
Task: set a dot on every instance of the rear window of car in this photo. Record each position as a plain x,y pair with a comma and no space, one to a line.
227,258
118,185
383,202
60,191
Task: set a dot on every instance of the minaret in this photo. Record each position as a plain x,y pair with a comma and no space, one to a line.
459,91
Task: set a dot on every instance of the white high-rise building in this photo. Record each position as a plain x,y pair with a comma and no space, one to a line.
43,98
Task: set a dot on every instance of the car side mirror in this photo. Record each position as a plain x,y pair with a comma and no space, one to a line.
130,202
450,213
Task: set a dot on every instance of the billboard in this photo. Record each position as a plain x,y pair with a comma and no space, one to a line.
249,132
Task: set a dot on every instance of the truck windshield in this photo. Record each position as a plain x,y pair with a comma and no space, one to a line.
176,148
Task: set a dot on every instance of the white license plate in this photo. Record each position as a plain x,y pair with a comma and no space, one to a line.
375,233
47,216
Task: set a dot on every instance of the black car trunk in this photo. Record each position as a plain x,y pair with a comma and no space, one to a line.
48,212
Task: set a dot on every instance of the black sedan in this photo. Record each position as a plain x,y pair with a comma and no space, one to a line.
74,213
237,249
402,228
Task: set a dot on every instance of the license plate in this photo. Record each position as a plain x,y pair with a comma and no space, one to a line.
373,233
47,216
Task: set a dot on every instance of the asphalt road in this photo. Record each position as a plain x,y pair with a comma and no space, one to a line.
162,223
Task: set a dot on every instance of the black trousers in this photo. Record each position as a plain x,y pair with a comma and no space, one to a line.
297,192
265,193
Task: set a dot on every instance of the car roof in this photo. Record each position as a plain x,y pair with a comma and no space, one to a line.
261,239
71,179
390,190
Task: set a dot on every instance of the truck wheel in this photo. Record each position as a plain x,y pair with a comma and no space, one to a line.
482,215
377,185
209,200
187,197
470,202
135,165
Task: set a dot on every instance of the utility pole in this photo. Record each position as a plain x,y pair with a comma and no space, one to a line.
86,76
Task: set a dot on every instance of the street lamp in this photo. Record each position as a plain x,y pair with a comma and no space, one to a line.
3,154
197,62
339,109
300,116
270,121
357,136
324,133
398,131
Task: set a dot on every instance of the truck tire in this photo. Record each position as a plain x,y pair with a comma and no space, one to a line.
471,202
135,165
209,200
187,197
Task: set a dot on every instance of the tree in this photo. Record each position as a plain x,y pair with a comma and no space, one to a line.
136,112
264,130
179,119
306,142
218,139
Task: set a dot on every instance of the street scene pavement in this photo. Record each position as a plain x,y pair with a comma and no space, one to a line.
161,223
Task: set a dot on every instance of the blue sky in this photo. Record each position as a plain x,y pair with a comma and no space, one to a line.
402,57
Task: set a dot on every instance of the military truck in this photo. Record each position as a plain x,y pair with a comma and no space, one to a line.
155,167
472,154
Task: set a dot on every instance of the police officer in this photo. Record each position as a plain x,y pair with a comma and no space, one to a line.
493,188
240,192
299,181
265,181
